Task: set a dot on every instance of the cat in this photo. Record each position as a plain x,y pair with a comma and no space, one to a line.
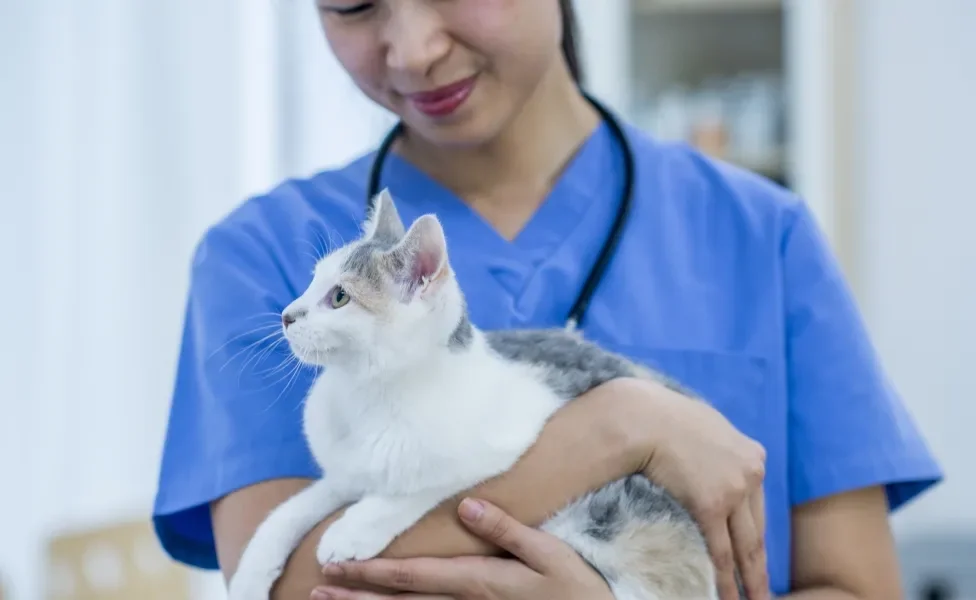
415,405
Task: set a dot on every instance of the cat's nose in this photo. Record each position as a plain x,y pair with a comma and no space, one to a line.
290,317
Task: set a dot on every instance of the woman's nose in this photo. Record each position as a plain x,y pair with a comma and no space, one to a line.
415,37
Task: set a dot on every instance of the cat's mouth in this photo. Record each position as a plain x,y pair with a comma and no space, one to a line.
317,356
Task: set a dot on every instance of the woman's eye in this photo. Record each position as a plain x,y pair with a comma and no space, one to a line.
338,297
346,11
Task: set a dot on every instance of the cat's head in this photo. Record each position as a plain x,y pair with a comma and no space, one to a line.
388,297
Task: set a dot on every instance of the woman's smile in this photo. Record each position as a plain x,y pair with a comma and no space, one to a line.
443,101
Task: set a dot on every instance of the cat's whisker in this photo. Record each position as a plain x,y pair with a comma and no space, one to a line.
251,347
263,353
327,247
316,254
292,375
295,372
289,361
327,241
256,330
276,315
286,360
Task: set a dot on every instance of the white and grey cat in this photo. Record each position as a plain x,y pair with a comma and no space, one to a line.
416,405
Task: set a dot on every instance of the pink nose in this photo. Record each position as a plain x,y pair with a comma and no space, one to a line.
289,318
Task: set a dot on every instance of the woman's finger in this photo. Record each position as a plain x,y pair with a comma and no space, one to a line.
720,547
453,577
750,552
531,546
338,593
757,503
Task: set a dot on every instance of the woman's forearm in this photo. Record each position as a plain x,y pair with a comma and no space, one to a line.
820,594
585,445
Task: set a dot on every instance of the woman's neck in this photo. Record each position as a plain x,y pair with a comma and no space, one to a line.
528,154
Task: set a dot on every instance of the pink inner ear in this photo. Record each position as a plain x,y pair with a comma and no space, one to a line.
424,265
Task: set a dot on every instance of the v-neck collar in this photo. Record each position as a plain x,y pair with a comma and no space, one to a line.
549,225
584,190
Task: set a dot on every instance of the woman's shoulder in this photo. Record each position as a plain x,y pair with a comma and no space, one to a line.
296,218
332,197
689,181
268,244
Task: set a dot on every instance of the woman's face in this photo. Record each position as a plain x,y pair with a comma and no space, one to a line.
455,71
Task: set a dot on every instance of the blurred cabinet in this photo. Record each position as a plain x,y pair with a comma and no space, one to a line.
713,73
117,562
771,85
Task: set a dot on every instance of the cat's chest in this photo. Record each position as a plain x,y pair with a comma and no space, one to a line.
446,435
378,439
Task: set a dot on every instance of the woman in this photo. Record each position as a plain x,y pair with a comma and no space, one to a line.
721,279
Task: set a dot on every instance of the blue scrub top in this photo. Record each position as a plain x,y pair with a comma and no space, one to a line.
722,280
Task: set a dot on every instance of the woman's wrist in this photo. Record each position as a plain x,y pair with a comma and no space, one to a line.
635,414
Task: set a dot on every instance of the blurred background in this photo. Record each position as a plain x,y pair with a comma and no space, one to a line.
128,126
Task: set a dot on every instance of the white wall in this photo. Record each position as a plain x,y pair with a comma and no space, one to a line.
604,29
127,128
811,81
918,247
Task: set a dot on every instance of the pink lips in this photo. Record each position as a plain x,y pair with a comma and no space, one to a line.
445,100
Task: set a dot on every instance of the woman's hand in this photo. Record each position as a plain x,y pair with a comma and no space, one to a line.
716,472
545,568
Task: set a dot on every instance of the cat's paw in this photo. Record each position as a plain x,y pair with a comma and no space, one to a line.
351,539
253,584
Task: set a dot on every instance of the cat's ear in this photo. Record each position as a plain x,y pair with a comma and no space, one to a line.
384,222
419,261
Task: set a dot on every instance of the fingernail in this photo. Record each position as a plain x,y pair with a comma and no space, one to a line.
471,510
332,569
321,595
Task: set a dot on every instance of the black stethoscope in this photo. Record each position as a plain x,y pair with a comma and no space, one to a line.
578,311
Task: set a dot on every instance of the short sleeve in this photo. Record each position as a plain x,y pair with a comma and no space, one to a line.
848,428
235,416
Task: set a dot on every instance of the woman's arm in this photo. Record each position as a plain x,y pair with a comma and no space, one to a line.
843,549
587,444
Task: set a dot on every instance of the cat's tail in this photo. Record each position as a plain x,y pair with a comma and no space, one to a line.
641,540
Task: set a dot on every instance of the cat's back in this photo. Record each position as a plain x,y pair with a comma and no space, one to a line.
571,364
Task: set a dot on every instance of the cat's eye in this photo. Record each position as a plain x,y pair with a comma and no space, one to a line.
338,297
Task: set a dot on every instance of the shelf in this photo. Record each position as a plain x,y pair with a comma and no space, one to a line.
664,7
771,165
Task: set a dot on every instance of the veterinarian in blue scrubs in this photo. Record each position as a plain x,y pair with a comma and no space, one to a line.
720,278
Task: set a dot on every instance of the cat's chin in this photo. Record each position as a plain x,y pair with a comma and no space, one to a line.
316,357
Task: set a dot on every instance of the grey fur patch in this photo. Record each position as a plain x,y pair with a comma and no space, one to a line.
640,540
648,500
606,521
362,260
463,334
632,499
364,263
573,365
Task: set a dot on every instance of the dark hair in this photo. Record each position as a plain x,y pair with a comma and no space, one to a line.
570,37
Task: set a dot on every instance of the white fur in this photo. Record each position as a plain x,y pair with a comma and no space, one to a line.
393,436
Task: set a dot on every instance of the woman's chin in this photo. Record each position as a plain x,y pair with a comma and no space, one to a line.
470,128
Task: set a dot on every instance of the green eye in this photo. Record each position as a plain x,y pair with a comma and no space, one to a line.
338,297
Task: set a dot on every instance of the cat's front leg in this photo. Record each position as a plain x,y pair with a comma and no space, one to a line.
279,534
368,526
